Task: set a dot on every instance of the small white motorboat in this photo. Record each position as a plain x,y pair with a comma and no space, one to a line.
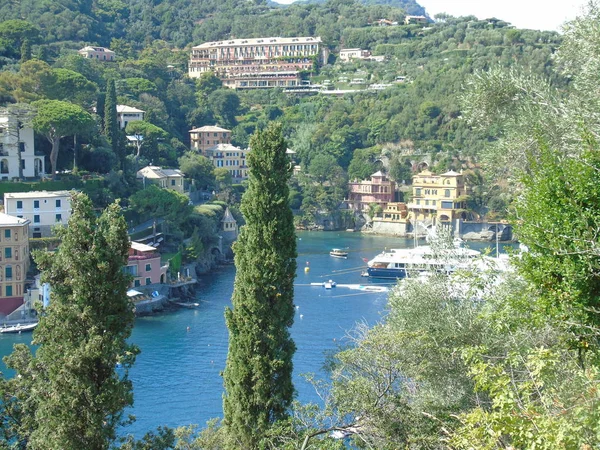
339,253
18,328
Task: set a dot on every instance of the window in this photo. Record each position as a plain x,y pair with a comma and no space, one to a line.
7,234
36,204
148,281
19,204
172,182
22,164
446,193
8,252
148,267
136,283
59,217
36,218
130,270
418,192
9,291
447,205
21,147
8,273
58,203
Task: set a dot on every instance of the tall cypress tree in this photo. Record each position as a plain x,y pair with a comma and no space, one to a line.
258,373
111,125
69,395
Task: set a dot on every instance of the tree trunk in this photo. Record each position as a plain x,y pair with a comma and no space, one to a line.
54,155
74,152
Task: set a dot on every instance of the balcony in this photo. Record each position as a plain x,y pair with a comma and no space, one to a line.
143,257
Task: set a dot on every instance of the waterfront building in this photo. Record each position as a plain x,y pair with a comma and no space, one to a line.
164,178
258,63
231,158
438,198
43,209
205,137
126,114
97,53
14,262
379,190
143,264
17,143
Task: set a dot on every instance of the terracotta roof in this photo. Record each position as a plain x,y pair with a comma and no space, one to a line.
209,128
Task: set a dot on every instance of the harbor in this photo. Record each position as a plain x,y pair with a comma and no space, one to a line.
183,351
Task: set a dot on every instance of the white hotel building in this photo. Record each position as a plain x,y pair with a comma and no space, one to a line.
258,63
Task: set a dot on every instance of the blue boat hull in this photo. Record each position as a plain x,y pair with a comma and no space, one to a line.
393,274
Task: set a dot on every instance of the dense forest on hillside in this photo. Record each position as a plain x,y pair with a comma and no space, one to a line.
336,138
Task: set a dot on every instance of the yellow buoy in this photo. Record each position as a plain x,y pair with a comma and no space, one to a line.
307,269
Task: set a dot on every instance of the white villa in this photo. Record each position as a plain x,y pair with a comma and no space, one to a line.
15,141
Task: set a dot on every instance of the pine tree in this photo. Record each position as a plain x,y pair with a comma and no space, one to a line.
71,396
258,373
111,125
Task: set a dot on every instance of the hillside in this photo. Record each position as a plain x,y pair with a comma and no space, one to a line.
353,135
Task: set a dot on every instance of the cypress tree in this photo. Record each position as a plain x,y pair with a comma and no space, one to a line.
258,373
69,395
25,51
111,126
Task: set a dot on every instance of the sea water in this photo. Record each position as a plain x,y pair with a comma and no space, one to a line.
177,377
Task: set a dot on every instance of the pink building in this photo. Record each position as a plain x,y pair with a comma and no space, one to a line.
379,190
144,265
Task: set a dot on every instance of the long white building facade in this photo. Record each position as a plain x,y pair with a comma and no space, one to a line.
258,63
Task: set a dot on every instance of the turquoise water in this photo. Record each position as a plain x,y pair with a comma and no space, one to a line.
177,377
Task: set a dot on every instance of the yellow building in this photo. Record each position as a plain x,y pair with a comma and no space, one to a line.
395,212
231,158
164,178
14,262
438,198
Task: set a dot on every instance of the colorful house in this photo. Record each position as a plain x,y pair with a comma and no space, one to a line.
14,262
438,198
144,265
205,137
379,190
164,178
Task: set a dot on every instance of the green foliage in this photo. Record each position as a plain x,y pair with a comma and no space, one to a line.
56,119
198,168
69,395
155,202
258,372
72,86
